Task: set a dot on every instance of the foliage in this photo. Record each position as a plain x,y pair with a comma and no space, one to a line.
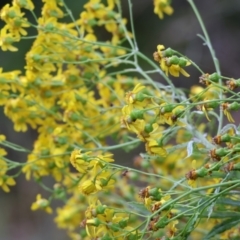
86,97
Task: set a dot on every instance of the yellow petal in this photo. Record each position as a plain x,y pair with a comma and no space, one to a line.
184,73
174,70
10,181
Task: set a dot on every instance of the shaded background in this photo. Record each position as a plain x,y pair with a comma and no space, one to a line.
222,19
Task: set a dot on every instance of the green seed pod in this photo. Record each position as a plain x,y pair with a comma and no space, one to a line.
155,193
50,27
234,106
114,226
236,147
212,104
11,14
100,209
214,77
202,172
136,114
123,223
148,128
173,60
111,14
140,96
75,117
221,152
237,82
167,108
168,52
95,222
182,62
225,138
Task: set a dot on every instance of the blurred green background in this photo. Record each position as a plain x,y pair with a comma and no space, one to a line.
222,19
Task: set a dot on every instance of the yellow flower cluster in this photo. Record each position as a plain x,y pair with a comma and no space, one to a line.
81,105
146,113
5,180
66,95
15,24
96,176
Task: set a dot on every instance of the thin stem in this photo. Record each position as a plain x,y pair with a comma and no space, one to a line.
72,17
212,52
133,30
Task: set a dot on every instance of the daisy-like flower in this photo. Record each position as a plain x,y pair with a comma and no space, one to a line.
131,96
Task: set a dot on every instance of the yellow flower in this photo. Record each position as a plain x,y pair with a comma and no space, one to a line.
3,166
88,187
7,39
170,63
152,145
172,229
41,203
24,4
161,7
2,138
5,181
51,9
131,96
101,181
175,70
226,110
173,116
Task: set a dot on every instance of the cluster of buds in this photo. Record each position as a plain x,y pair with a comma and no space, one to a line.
232,142
169,62
206,79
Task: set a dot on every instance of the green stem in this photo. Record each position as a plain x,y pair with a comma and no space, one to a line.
212,52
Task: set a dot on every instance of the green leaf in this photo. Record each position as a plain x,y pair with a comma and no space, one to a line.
222,227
